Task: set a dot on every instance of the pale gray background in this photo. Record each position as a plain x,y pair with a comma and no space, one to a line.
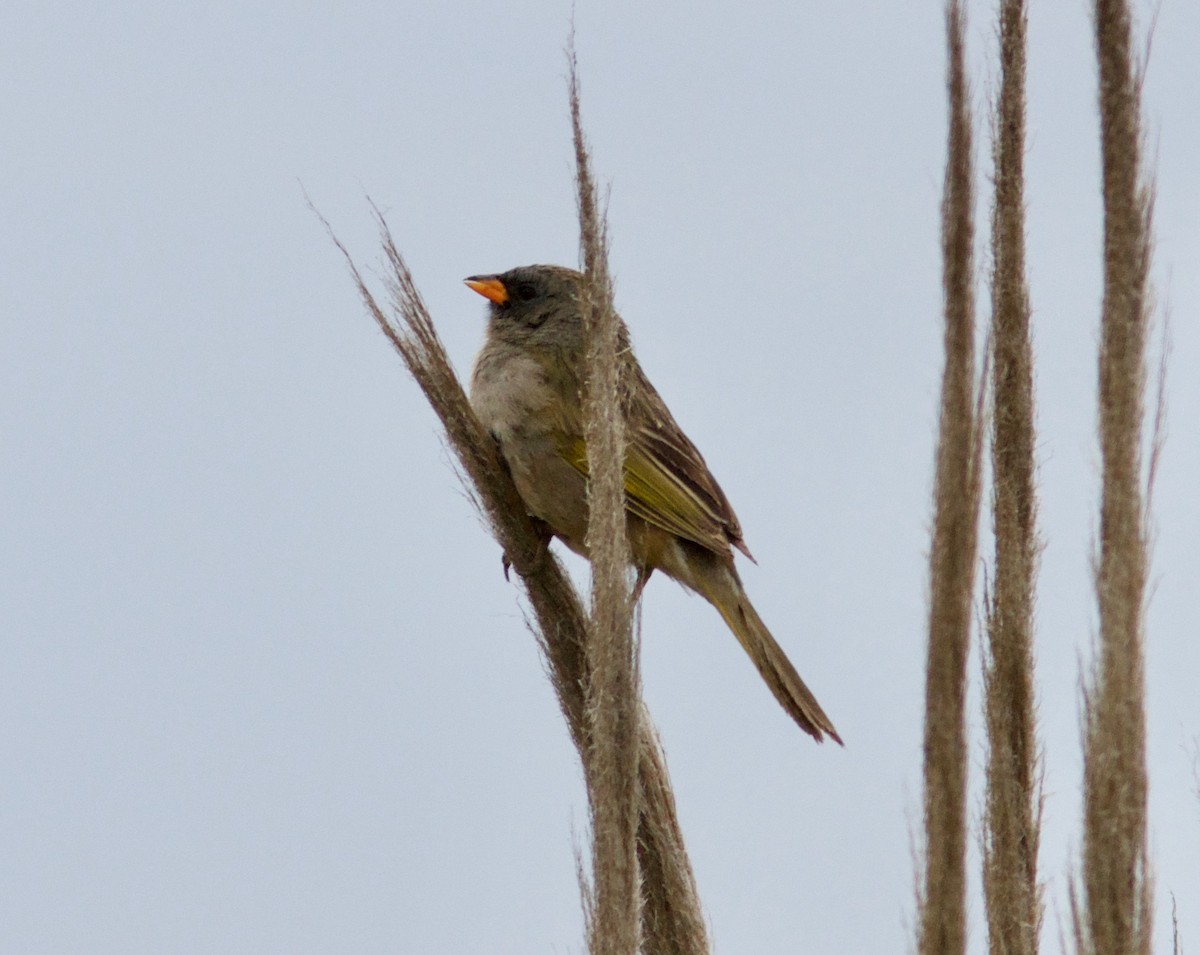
262,685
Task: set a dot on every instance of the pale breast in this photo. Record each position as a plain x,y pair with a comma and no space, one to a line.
508,391
513,400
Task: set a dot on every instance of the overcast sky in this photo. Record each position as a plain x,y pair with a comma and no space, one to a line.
263,687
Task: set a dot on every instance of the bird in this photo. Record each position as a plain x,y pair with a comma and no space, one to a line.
526,389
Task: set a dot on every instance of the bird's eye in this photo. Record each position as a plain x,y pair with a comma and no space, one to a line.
526,292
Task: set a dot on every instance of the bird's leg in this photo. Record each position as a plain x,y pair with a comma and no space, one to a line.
544,536
643,576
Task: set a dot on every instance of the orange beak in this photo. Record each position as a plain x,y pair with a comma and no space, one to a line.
489,287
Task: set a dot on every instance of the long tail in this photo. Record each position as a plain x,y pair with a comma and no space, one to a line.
728,596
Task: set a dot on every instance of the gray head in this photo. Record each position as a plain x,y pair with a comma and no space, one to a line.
533,304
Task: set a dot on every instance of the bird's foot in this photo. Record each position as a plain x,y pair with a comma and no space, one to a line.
544,536
643,577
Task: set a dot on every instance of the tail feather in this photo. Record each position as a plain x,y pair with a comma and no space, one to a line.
774,666
713,576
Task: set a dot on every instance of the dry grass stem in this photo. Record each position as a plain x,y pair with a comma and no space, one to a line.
612,692
672,922
1012,797
953,551
670,902
1115,913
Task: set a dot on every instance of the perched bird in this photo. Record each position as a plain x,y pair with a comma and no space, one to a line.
526,389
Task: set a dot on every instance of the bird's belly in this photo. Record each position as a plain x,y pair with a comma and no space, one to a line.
513,401
552,489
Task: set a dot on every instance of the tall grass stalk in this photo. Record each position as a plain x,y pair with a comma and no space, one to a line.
611,759
942,900
1114,915
1012,795
673,923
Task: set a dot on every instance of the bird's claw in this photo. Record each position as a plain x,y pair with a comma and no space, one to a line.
643,577
545,535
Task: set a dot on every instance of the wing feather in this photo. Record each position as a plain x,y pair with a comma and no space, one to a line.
667,482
